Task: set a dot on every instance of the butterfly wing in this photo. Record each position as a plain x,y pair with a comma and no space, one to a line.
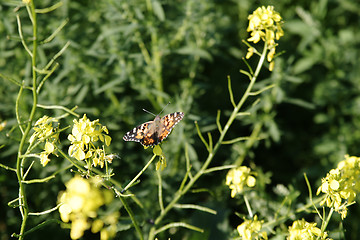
168,122
154,132
137,133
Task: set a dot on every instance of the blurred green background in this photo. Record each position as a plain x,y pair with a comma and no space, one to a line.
128,55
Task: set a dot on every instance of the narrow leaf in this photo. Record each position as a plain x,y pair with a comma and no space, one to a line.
158,10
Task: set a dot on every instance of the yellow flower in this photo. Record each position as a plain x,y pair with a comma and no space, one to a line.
84,135
256,36
97,225
78,227
110,231
79,204
44,131
44,158
250,52
302,230
265,24
250,229
238,178
99,157
341,183
2,125
271,54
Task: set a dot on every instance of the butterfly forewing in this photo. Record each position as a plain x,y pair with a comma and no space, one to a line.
170,120
137,133
154,132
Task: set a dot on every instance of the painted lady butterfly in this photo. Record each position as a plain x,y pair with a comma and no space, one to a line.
154,132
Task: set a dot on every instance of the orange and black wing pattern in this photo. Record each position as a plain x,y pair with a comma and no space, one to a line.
168,122
150,134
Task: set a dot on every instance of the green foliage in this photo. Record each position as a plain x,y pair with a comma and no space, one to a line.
112,58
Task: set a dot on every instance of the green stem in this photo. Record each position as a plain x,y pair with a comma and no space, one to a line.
160,196
20,161
326,222
248,206
211,155
18,118
139,174
132,216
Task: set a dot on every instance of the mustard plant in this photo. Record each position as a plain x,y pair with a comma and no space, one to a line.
85,205
44,133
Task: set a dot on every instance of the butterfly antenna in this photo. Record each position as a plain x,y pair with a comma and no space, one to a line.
154,114
164,108
148,112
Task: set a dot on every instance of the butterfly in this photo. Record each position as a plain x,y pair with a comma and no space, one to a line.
154,132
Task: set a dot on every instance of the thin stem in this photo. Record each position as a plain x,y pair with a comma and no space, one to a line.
211,155
76,164
139,174
220,168
176,225
160,196
218,121
23,206
22,37
249,143
193,206
49,9
201,136
310,196
324,224
7,167
231,92
45,212
70,111
248,206
17,109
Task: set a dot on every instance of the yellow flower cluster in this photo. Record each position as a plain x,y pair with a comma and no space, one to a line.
84,134
341,183
238,178
44,131
301,230
265,24
250,229
79,204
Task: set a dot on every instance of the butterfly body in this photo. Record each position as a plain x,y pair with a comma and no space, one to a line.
154,132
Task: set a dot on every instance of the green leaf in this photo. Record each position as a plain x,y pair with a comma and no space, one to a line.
191,50
158,10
